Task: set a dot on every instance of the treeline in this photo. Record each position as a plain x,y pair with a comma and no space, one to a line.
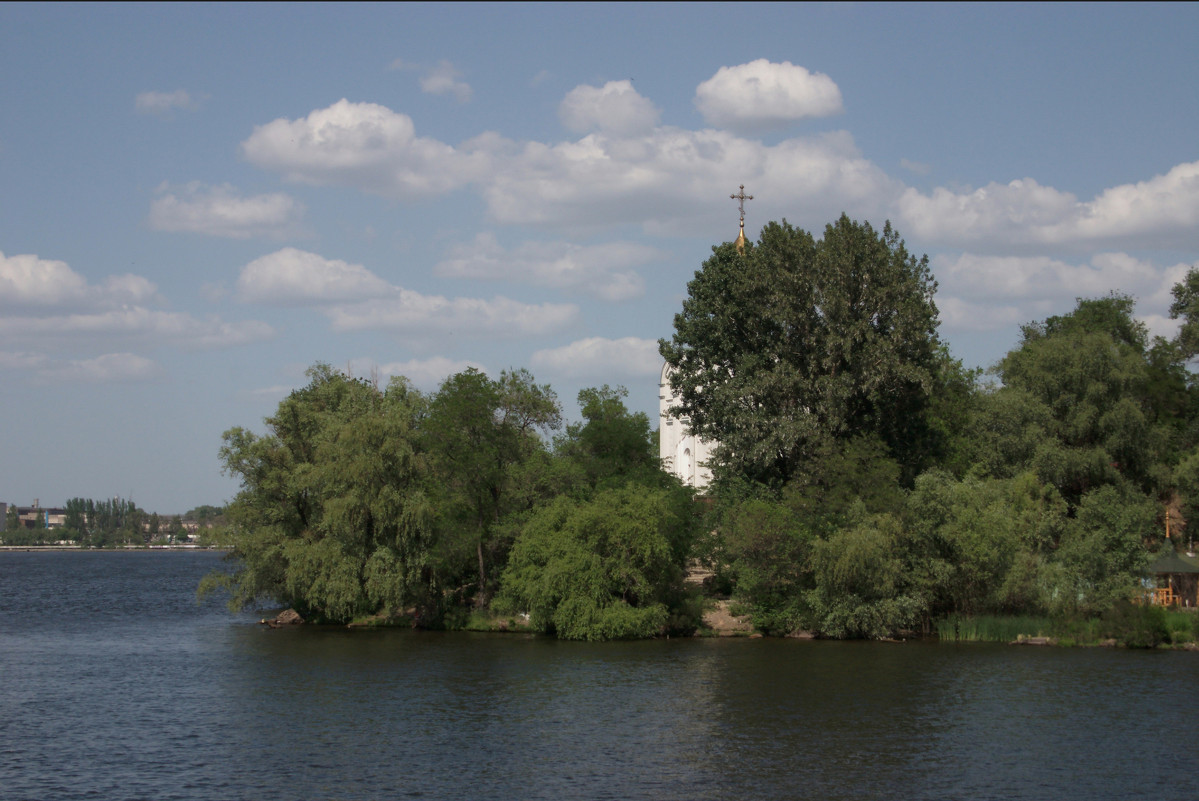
363,500
109,523
865,482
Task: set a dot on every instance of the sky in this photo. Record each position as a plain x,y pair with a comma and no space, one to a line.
199,202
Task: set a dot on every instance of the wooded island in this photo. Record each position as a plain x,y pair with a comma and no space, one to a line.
864,482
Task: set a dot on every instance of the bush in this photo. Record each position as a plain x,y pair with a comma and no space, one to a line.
1135,626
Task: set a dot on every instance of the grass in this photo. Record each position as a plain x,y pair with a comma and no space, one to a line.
1182,626
993,628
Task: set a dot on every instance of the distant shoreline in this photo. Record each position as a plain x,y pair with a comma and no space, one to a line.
120,549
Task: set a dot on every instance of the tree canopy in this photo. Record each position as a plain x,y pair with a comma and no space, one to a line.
799,342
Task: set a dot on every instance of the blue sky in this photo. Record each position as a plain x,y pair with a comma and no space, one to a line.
199,202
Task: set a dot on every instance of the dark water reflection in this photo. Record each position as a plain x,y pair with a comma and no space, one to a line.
114,684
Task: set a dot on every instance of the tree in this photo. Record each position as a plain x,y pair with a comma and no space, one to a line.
1186,306
799,342
480,433
612,444
332,517
606,568
1083,401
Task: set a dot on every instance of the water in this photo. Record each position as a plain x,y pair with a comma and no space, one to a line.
115,684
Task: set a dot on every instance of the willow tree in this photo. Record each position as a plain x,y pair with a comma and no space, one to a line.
331,518
798,343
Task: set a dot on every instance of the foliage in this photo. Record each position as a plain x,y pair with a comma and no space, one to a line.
768,549
862,587
1080,403
1135,626
798,342
331,518
482,436
606,568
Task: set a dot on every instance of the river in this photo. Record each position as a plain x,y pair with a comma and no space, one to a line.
115,684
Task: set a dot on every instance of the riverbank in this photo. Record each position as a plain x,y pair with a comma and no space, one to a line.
114,549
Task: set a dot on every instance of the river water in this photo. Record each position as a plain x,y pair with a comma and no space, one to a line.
115,684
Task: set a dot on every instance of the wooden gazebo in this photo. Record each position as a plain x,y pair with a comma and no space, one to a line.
1177,580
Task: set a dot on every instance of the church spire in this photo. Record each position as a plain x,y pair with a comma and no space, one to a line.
741,197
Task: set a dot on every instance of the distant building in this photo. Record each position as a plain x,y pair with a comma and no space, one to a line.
683,453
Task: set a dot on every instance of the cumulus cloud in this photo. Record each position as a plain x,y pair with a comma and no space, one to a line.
443,80
222,211
668,180
139,324
20,360
988,277
616,109
597,356
762,95
963,316
1162,211
597,270
664,179
29,282
420,316
123,367
291,277
355,299
363,145
164,102
985,293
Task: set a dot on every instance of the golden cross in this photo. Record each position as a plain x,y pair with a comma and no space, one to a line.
741,197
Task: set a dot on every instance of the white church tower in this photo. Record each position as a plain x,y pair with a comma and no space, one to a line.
682,453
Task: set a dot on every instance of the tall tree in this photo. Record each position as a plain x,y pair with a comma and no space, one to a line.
332,517
479,433
800,341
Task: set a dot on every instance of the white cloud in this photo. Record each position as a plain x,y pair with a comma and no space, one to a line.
762,95
598,270
670,179
985,293
597,356
426,316
164,102
355,299
364,145
443,80
123,367
28,282
139,324
1160,212
665,179
20,360
962,316
615,109
428,374
989,277
221,211
291,277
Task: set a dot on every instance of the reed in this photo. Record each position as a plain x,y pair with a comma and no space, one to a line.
993,628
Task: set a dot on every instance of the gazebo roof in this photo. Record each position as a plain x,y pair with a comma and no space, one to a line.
1171,562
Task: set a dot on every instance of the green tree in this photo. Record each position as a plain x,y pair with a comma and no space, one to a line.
606,568
863,587
1186,306
799,342
1081,402
769,553
611,444
481,435
332,517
